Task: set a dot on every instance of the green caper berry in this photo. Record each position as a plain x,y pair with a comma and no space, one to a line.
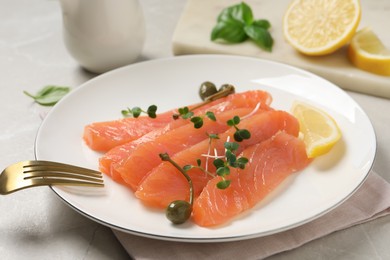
178,211
207,89
226,86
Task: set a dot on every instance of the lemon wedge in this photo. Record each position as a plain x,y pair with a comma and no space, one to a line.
317,27
319,130
367,52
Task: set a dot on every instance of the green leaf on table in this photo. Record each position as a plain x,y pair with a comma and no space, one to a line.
49,95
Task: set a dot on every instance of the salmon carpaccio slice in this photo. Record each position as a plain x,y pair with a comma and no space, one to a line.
117,155
103,136
165,183
270,163
145,156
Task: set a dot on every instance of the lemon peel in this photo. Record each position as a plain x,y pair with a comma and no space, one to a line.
368,53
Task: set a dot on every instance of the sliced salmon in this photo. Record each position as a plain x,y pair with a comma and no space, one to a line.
165,183
145,156
270,163
103,136
117,155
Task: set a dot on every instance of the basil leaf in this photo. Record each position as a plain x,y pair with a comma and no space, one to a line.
230,31
260,36
49,95
262,23
240,12
231,22
235,24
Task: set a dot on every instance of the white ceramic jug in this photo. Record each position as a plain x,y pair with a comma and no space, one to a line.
103,34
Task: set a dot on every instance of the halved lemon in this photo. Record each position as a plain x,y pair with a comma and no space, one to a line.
319,130
317,27
367,52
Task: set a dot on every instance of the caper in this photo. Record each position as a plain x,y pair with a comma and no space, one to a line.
207,89
178,211
226,86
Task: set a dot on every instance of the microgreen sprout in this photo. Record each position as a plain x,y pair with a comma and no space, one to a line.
240,134
186,113
199,166
199,161
179,211
221,163
211,138
136,112
230,160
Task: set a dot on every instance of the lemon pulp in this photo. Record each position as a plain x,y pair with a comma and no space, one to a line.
317,27
319,130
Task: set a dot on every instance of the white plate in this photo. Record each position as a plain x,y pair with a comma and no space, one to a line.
173,82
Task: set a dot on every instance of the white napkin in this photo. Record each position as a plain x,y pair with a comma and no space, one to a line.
369,202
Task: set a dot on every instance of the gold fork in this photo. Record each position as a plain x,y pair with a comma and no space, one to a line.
28,174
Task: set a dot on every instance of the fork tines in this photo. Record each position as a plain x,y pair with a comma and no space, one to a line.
43,172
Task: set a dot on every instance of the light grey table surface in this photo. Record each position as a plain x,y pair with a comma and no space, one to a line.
34,223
